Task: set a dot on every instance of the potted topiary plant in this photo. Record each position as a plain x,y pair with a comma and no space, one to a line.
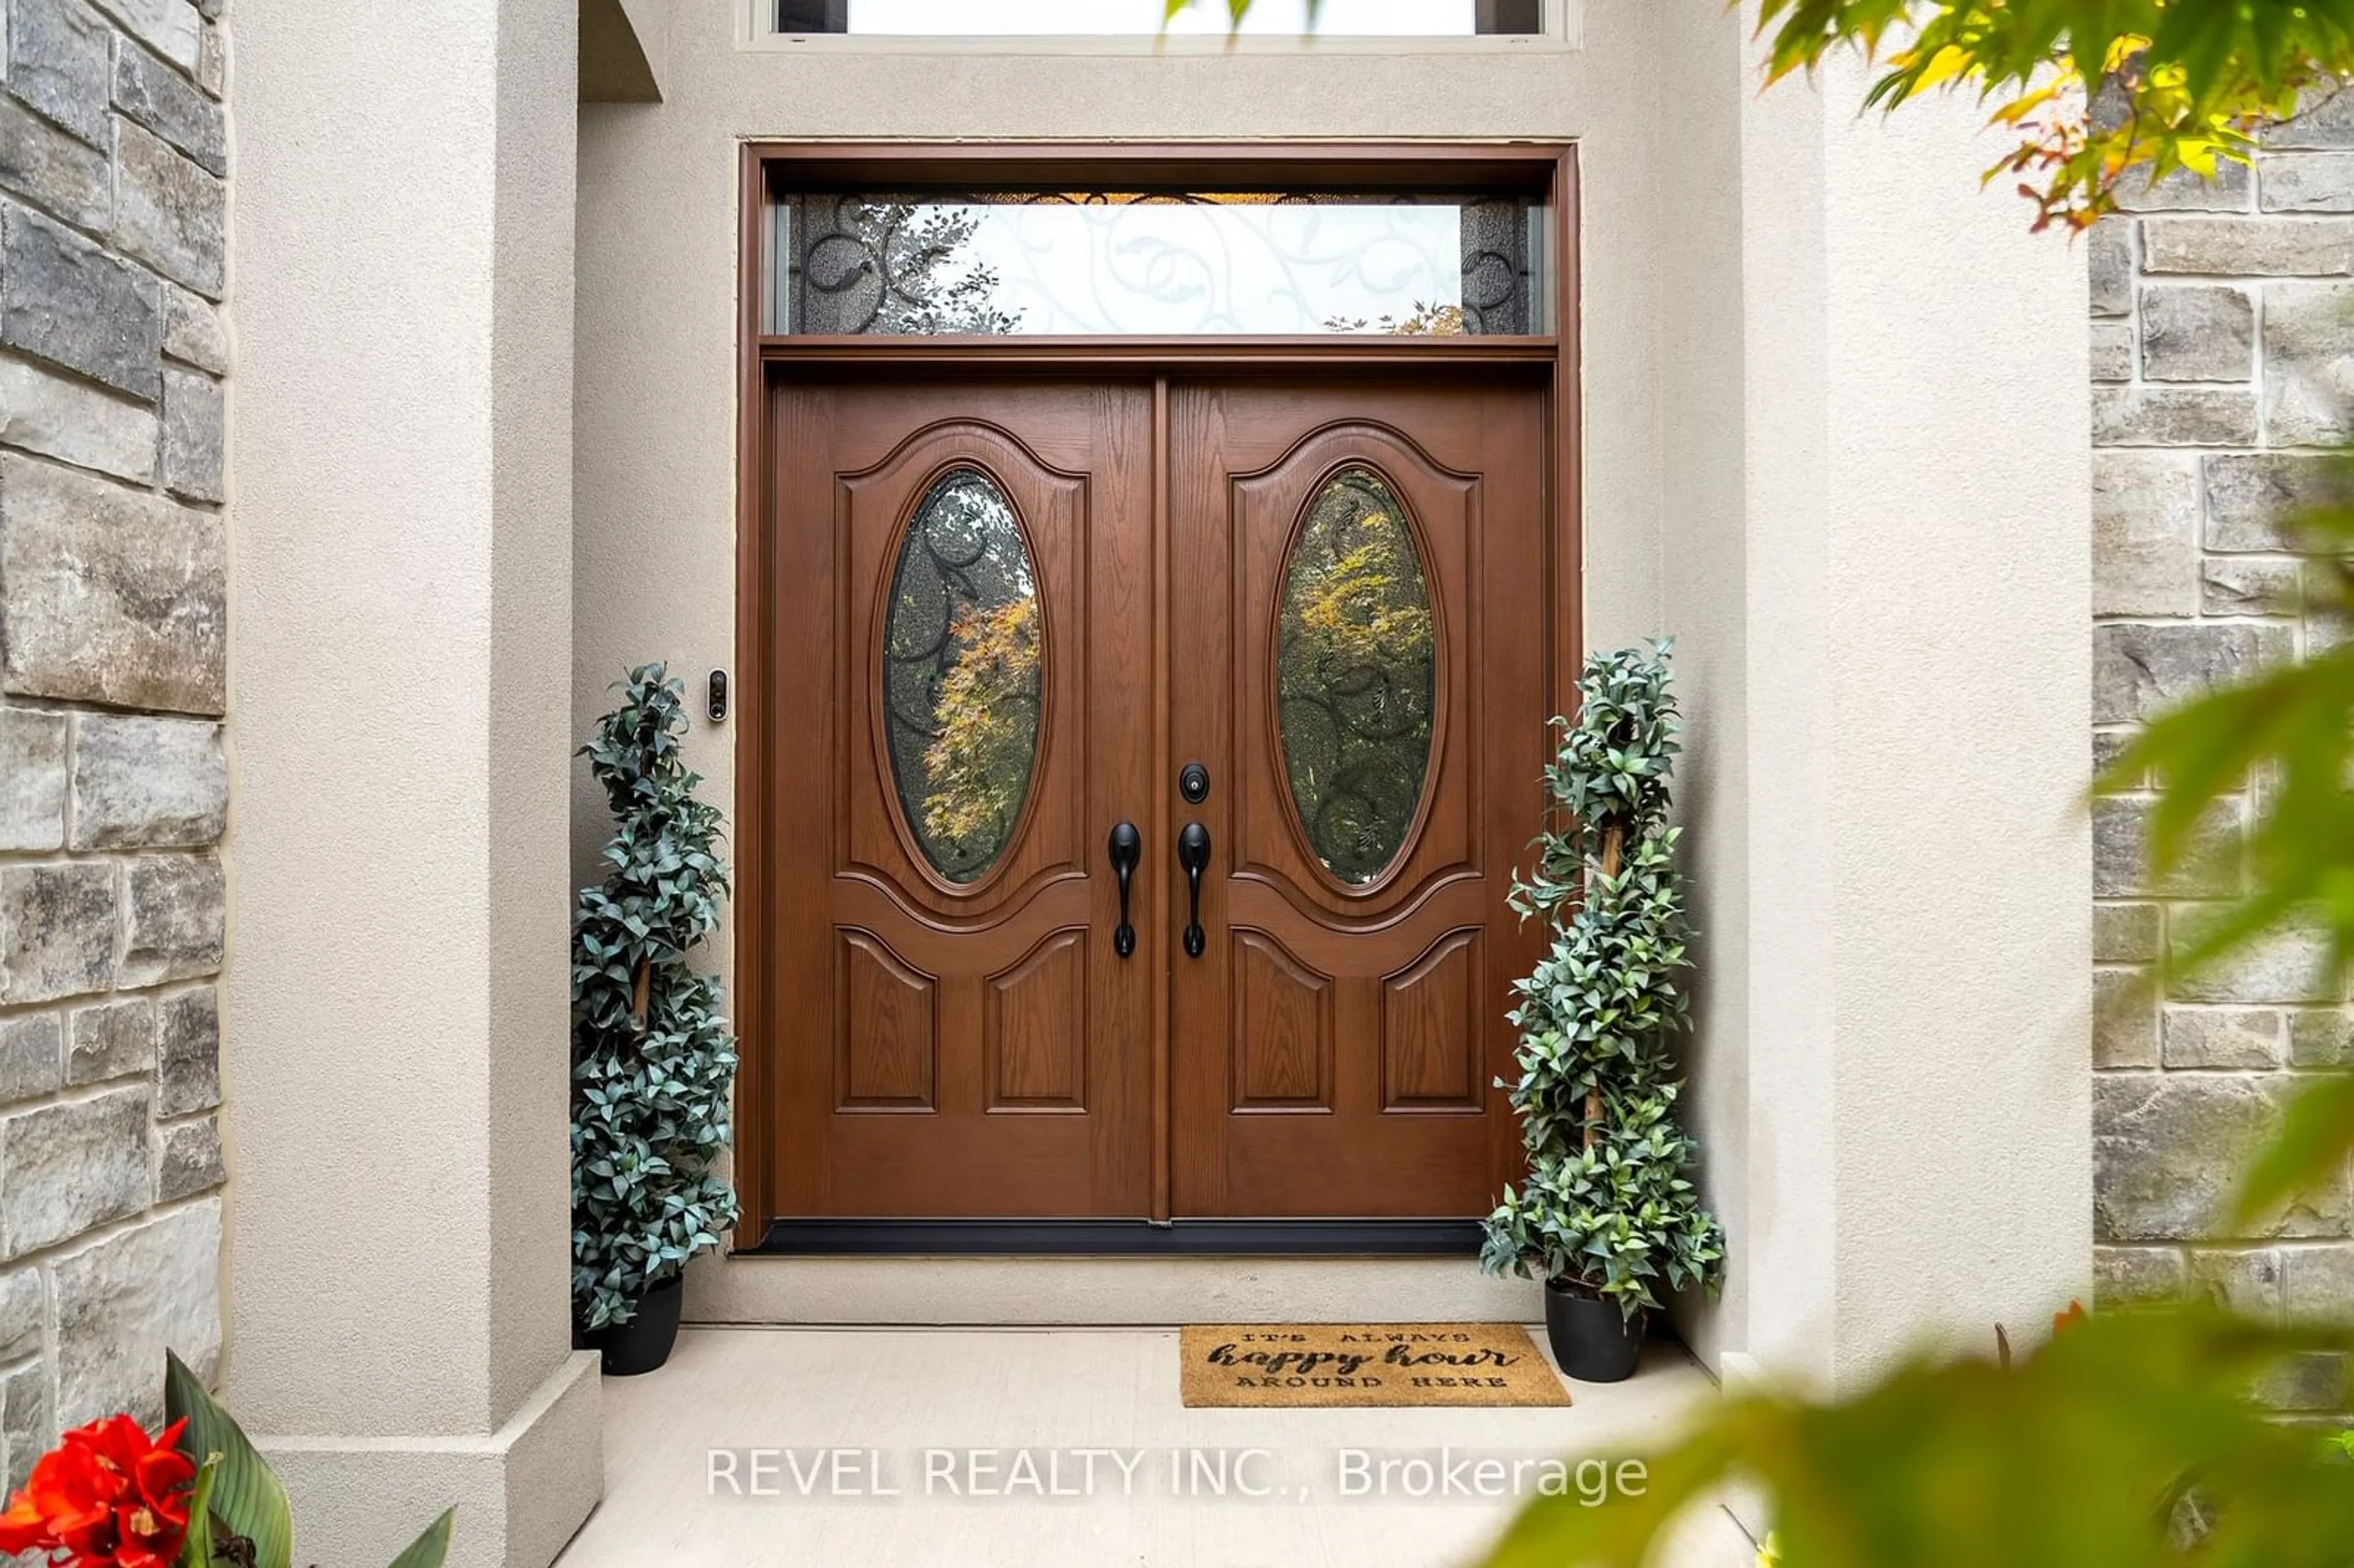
1609,1210
652,1057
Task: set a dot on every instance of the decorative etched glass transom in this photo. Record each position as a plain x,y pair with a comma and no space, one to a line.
962,648
1084,18
1356,672
1156,263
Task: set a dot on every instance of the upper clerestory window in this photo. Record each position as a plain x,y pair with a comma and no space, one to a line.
1337,19
1158,263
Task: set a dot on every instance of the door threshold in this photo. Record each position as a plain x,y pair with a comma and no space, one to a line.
1118,1238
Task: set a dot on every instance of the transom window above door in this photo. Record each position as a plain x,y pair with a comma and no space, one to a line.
1145,19
1159,262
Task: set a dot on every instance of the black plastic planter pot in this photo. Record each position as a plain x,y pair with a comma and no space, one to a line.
643,1342
1591,1337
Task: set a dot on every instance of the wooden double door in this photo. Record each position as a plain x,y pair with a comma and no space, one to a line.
1142,767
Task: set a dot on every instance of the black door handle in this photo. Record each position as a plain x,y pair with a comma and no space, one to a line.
1127,848
1194,854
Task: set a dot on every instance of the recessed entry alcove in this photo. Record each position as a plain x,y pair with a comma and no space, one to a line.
1074,474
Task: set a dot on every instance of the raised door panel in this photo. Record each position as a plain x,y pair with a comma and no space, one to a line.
1282,1034
886,1029
1036,1029
1432,1032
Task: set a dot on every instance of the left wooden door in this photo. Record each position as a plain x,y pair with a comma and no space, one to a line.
959,712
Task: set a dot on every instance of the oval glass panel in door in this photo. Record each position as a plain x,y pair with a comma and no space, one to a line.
1357,671
963,648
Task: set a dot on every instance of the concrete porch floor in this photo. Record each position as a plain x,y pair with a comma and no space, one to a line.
953,1413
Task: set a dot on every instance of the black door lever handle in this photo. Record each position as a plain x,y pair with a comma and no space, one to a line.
1194,854
1127,849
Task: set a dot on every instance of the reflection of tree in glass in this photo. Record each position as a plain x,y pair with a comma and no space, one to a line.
985,727
960,666
1355,673
1425,320
908,274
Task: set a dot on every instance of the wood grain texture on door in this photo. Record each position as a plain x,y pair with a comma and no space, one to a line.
1360,566
1002,616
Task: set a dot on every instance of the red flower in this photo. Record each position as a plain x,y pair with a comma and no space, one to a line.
107,1496
2063,1322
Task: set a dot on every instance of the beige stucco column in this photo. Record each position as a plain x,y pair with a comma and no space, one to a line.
396,1059
1885,526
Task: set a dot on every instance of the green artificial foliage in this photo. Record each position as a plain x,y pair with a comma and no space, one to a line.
1609,1205
654,1060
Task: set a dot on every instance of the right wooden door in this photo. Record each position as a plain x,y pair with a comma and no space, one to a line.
1358,654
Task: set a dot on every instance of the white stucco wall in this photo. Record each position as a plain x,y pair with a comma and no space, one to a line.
1696,362
1958,523
1804,334
1916,527
400,523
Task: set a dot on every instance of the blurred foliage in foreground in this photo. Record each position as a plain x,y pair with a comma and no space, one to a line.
2134,1436
2109,1447
2094,90
2289,732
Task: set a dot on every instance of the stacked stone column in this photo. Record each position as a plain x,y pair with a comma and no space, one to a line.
113,654
2223,370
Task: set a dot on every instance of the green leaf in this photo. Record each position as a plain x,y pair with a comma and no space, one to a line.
2182,82
2068,1461
429,1549
197,1549
2314,1140
246,1494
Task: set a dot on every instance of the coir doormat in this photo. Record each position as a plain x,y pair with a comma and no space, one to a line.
1306,1364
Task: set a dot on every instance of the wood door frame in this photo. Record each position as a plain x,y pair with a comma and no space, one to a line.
1547,172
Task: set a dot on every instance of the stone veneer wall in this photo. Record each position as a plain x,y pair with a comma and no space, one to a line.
2223,358
113,643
